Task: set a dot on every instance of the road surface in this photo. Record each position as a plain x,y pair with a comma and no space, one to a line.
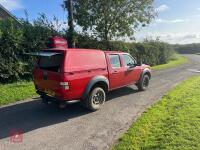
74,128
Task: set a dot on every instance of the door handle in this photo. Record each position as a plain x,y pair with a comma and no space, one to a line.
115,72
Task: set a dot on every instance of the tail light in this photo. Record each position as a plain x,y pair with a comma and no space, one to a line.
64,85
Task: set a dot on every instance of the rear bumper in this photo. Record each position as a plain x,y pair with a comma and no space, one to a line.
52,98
48,98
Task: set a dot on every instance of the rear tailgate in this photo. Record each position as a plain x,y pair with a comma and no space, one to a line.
48,82
48,73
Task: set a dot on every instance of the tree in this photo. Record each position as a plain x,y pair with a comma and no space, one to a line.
71,34
109,19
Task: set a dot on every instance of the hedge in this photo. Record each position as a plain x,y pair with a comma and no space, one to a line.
16,39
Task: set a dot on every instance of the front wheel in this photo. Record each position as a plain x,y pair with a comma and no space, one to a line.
143,83
95,99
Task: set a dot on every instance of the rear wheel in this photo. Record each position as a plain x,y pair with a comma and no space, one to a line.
95,99
143,83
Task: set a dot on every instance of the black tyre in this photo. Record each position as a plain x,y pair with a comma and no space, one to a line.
95,100
143,83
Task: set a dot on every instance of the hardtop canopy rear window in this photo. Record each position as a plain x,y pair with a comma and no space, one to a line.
51,61
48,60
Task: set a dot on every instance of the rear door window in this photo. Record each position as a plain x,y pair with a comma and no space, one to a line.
115,61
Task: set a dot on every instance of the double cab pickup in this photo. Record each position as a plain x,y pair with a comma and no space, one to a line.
87,75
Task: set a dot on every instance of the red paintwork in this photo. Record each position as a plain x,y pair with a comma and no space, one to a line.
79,67
57,42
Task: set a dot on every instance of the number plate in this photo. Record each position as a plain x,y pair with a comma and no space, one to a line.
50,93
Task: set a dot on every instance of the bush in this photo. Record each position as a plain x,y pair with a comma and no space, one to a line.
152,52
11,66
17,39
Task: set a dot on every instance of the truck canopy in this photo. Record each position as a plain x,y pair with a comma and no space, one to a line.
43,54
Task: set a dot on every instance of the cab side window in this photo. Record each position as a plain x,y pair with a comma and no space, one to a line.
128,61
115,61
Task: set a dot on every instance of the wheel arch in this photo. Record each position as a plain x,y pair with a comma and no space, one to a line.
146,71
98,81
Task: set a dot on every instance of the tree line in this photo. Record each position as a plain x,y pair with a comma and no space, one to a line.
102,23
187,48
30,37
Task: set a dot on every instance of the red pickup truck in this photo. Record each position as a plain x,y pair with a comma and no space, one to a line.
87,75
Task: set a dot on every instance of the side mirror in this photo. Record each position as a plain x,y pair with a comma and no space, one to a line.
130,65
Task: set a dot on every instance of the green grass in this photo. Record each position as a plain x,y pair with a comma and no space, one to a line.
172,123
173,63
10,93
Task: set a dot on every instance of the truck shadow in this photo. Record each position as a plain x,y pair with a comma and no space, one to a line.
121,92
32,115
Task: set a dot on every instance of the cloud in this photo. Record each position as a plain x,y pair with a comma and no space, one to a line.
174,38
59,25
198,9
196,16
170,21
162,8
12,4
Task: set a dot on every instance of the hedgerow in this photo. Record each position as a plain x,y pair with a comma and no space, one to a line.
17,39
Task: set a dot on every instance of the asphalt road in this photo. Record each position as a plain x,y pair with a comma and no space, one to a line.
75,128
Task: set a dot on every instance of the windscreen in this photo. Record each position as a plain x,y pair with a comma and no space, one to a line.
52,63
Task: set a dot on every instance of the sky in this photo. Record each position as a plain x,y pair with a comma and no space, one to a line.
177,22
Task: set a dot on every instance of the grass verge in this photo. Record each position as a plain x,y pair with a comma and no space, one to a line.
173,63
172,123
10,93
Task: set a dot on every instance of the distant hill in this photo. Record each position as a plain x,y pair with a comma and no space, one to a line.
187,48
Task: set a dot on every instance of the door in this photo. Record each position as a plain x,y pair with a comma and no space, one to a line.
132,71
116,71
47,73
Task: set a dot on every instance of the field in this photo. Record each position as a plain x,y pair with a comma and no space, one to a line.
173,63
172,123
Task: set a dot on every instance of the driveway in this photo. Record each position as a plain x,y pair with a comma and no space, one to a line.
74,128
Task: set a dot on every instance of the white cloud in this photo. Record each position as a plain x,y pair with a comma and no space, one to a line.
11,4
162,8
198,9
174,38
170,21
59,25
